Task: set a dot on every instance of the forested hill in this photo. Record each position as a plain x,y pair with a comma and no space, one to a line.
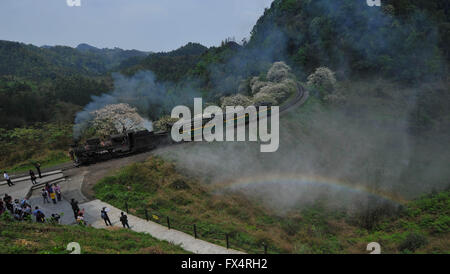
113,58
404,40
37,63
51,83
168,66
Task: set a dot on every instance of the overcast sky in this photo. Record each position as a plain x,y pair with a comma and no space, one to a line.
150,25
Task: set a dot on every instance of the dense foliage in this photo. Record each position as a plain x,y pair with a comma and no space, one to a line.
25,102
168,66
40,84
405,40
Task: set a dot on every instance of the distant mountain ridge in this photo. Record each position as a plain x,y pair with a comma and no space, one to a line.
33,62
168,66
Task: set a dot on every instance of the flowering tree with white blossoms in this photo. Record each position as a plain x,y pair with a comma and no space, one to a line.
116,118
235,100
324,78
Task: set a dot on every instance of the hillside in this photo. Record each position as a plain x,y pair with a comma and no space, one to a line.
168,66
113,58
404,41
38,63
33,238
420,226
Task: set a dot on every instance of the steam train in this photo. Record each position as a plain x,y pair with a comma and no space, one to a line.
128,143
133,142
115,146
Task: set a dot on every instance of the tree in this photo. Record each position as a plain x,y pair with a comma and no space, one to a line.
322,78
116,118
165,123
279,85
278,72
236,100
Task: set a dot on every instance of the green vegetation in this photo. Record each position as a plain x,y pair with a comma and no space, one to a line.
33,238
157,186
44,84
168,66
44,143
38,63
26,102
372,41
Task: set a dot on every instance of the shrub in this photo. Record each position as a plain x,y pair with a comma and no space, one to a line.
278,72
164,123
278,91
335,98
256,85
264,98
179,184
236,100
244,87
322,78
412,242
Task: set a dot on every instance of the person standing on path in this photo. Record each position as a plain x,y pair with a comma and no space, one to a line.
124,220
51,192
7,178
38,168
105,217
75,208
53,197
32,177
57,189
45,195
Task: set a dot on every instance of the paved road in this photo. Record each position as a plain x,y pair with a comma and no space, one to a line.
22,185
158,231
62,208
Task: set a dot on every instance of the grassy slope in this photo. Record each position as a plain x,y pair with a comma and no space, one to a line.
152,185
24,238
45,143
47,159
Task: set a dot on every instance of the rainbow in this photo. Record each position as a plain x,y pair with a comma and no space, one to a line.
307,180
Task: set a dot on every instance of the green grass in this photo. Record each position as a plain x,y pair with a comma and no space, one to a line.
47,144
48,160
157,186
33,238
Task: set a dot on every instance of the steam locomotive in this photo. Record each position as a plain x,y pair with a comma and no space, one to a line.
115,146
131,142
